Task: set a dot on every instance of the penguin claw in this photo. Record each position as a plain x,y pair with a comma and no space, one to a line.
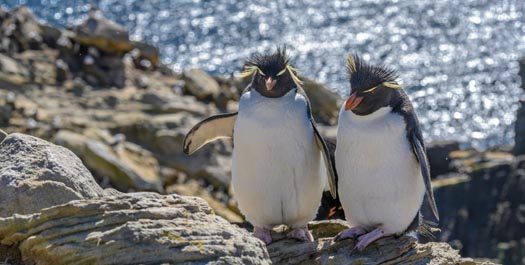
263,234
301,233
352,233
368,238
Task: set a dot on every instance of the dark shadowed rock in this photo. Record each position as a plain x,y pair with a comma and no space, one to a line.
490,201
438,154
136,228
35,174
519,139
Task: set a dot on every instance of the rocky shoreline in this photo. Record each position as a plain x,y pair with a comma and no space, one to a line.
116,107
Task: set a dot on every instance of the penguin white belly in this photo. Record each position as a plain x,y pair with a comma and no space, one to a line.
380,181
277,173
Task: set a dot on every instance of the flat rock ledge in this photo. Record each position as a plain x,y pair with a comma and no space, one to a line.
135,228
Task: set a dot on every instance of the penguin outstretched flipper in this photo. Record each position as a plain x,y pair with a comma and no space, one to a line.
331,174
419,151
210,129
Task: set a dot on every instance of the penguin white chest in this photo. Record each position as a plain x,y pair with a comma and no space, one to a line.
276,166
380,181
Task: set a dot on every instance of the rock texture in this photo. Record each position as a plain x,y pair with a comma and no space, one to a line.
519,139
35,174
490,200
136,228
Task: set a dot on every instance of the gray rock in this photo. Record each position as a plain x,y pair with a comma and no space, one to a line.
140,228
35,174
126,167
201,85
389,250
12,71
102,33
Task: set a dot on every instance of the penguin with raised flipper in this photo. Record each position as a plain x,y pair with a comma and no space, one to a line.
280,161
380,158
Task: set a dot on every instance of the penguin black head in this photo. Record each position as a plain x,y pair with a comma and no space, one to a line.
273,74
371,87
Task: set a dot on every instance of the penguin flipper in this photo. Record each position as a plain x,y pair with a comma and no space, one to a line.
331,174
210,129
421,156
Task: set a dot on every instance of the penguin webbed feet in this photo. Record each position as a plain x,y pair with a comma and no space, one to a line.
301,233
351,233
263,234
366,239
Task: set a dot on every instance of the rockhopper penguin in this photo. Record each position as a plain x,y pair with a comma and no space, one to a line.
380,158
280,161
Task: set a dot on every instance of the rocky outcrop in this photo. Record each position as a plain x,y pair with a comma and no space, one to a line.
488,197
138,228
35,174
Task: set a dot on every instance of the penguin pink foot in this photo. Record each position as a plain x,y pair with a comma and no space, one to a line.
352,233
301,233
263,234
368,238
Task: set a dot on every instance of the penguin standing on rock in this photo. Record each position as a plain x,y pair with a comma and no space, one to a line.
280,161
380,158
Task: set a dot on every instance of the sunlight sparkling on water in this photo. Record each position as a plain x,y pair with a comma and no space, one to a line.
457,59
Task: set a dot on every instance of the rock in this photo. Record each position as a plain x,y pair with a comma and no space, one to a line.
127,166
192,188
103,34
12,72
72,141
145,52
438,154
22,29
389,250
519,139
201,85
35,174
490,201
104,70
139,228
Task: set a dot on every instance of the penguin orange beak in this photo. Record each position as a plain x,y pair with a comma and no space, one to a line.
270,83
353,101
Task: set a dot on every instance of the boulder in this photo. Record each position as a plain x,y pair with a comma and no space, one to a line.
22,31
201,85
103,34
12,72
35,174
126,165
138,228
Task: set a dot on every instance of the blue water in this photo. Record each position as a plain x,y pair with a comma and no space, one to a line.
457,59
